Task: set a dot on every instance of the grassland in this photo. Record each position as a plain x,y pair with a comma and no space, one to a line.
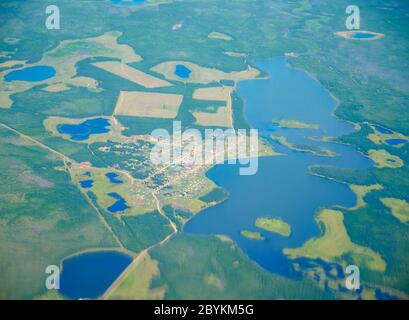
276,225
132,74
335,243
223,117
136,285
203,75
383,159
294,124
115,129
137,197
220,118
56,88
148,104
398,207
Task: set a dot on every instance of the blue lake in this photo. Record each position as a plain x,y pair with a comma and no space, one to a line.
282,186
182,71
86,184
89,275
113,178
83,130
36,73
119,205
363,35
380,295
394,142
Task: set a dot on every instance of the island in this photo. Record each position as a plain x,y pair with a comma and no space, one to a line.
251,235
274,225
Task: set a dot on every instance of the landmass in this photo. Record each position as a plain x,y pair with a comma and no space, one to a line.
276,225
251,235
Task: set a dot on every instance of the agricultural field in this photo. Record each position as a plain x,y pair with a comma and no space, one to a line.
147,104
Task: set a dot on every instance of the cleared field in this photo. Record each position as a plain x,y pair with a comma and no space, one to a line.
203,75
335,243
251,235
295,124
148,104
124,71
320,151
115,129
224,115
56,87
214,94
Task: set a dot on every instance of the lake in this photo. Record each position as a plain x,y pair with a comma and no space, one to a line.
119,205
89,275
32,74
86,184
395,142
182,71
363,35
383,130
83,130
282,186
113,178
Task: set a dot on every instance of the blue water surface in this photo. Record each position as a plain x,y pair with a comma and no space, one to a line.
363,35
83,130
120,204
89,275
282,186
182,71
32,74
383,130
113,178
86,184
394,142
